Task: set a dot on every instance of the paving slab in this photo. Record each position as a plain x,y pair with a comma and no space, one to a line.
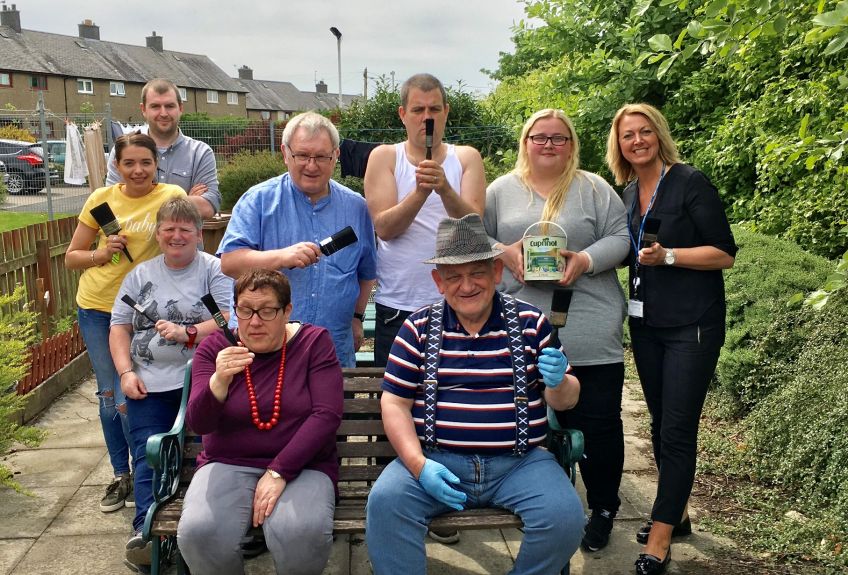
82,516
75,555
12,551
23,516
53,467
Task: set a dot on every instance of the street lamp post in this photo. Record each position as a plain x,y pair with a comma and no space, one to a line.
338,36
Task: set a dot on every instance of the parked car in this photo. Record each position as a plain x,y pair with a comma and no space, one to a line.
56,160
24,166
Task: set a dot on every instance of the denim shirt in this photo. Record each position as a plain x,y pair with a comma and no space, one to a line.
275,214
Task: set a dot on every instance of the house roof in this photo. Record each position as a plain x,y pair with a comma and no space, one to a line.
284,96
57,54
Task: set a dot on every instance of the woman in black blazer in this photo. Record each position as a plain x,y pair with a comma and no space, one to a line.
676,305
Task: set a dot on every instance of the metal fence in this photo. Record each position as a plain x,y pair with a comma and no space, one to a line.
226,135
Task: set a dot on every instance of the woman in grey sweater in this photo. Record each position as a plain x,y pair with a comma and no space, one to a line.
546,184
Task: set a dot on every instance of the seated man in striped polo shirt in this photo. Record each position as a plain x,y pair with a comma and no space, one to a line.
463,405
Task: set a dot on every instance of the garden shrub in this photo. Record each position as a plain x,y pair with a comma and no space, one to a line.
767,273
17,333
12,132
795,438
244,170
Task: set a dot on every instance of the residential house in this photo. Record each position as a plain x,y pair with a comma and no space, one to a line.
268,99
78,72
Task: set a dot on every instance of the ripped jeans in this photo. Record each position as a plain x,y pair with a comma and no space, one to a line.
94,327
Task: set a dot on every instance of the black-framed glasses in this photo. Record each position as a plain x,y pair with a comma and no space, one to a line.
556,139
264,313
304,159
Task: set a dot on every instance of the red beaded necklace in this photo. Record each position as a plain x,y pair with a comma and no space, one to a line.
251,393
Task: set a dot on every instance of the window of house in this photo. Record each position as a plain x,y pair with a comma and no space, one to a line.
232,98
183,94
38,82
5,79
211,97
85,86
283,115
117,89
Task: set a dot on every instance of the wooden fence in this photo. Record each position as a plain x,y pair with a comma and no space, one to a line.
49,356
34,256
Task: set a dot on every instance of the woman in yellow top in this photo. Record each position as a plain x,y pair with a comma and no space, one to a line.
134,204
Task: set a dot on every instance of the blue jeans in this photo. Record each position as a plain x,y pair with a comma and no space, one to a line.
534,487
94,327
154,414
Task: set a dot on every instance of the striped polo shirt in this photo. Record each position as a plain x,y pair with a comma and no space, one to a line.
475,411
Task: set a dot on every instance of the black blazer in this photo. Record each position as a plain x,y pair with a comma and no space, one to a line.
691,215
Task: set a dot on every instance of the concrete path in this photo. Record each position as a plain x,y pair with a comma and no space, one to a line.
60,529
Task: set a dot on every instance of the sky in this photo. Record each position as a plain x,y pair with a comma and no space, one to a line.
291,41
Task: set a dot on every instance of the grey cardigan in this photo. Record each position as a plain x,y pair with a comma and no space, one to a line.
594,220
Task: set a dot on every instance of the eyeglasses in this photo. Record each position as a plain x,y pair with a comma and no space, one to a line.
556,139
265,313
304,159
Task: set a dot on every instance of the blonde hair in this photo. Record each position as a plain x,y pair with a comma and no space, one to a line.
620,167
556,199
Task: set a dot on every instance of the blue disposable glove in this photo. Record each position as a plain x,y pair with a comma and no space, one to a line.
552,364
435,478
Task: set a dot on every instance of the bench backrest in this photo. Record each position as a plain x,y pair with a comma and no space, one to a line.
360,439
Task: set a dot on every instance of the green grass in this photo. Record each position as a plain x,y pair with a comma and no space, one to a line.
15,220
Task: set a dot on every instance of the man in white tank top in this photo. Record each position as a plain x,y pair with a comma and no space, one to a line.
407,197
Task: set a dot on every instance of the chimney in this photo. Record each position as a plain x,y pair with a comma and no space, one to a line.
155,42
11,17
321,87
88,29
245,73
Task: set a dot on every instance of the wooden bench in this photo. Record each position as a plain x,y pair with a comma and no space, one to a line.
363,449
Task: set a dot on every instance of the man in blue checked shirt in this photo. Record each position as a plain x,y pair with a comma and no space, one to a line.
463,405
277,225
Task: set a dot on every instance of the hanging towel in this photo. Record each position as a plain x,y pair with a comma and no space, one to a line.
353,157
76,169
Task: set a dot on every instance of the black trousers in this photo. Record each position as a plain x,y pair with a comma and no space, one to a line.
675,367
598,415
386,325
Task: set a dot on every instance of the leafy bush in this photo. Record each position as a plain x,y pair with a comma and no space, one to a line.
791,451
12,132
767,272
17,333
244,170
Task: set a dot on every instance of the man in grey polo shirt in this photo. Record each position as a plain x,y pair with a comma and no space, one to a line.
183,161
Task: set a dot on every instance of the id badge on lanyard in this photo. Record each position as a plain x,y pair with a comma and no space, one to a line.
635,305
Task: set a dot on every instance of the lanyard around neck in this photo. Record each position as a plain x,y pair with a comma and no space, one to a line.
637,241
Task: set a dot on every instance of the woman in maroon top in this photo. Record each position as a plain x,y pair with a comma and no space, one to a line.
268,411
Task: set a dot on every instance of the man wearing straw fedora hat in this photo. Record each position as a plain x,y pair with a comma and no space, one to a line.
464,405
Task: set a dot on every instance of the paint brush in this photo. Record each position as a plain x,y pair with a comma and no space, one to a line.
213,308
134,304
105,218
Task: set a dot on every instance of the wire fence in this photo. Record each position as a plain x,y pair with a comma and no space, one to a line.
228,136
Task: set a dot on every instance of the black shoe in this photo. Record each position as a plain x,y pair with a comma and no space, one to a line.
253,548
598,530
444,536
681,529
651,565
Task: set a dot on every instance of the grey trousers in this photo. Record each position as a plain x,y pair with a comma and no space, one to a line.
218,511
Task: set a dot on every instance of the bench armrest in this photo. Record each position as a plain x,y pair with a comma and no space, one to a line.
565,444
165,457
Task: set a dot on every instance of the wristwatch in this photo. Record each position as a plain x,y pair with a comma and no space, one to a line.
669,257
359,316
274,474
191,332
